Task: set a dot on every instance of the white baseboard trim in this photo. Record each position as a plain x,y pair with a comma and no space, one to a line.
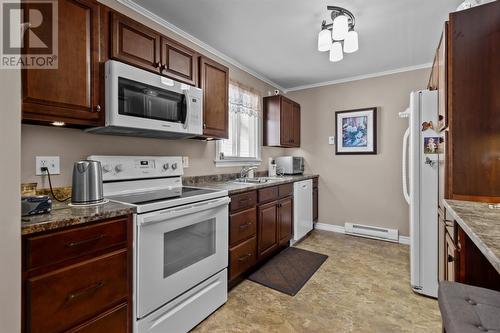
329,227
404,240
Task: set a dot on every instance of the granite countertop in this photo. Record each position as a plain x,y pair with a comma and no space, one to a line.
233,187
63,215
481,224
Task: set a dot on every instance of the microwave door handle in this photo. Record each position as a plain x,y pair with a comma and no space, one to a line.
187,101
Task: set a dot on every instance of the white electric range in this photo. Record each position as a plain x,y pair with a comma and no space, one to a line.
180,241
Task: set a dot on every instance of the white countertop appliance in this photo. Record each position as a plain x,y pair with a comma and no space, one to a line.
290,165
180,241
141,103
302,209
420,168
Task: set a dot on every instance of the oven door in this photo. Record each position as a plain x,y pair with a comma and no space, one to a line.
177,249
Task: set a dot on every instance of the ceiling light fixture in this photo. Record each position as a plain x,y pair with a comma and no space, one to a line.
338,37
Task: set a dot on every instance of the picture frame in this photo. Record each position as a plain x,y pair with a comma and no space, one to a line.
356,132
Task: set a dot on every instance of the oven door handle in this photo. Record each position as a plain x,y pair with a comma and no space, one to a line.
161,216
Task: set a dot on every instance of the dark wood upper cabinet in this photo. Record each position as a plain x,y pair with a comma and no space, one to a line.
474,103
214,80
285,219
71,93
281,122
179,62
267,239
134,43
468,81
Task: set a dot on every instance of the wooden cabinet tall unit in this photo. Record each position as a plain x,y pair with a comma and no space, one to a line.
466,73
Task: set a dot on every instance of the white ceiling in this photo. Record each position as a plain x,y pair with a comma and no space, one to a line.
277,39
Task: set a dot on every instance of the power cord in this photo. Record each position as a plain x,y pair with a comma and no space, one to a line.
50,185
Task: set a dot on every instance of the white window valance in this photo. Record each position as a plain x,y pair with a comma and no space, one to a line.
244,101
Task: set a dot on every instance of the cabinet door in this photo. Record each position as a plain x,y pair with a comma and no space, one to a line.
214,80
285,218
134,43
178,62
267,240
70,93
286,122
315,204
442,80
451,259
296,125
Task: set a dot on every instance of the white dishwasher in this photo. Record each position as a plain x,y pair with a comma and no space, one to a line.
302,209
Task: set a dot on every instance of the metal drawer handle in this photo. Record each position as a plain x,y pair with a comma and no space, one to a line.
93,239
246,225
245,257
89,290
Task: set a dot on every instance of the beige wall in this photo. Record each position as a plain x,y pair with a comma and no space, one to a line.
73,144
359,188
10,204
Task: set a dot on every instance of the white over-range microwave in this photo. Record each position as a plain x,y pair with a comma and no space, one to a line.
141,103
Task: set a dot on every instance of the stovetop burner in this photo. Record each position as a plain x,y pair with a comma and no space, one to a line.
148,197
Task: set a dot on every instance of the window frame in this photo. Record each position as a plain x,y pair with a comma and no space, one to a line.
232,161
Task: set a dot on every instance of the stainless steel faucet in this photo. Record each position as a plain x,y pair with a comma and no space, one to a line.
245,170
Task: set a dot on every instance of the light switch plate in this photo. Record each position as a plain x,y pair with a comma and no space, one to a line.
185,161
331,140
51,162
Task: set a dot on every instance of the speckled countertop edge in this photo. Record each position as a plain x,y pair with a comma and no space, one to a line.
481,224
63,215
233,187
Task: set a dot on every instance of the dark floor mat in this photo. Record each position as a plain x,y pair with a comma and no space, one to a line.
289,271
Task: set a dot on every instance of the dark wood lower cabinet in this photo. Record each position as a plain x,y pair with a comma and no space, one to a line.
114,320
285,220
86,285
268,228
260,225
465,263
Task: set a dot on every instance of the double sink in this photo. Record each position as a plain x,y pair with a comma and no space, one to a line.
258,180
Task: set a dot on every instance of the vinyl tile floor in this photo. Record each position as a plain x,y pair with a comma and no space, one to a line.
364,286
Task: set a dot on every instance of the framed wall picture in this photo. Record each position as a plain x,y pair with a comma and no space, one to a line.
356,131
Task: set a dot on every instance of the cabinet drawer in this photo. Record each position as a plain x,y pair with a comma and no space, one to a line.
242,257
65,297
242,226
59,246
268,194
285,190
114,320
243,201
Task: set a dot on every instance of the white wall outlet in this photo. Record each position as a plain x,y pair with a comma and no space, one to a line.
51,162
185,161
331,140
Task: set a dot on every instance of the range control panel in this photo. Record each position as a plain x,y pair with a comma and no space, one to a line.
138,167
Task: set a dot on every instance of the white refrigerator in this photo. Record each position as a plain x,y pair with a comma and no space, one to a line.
421,145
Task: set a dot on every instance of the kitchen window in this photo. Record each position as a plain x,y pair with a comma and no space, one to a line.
245,122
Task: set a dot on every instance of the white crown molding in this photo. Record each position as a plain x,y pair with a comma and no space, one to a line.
155,18
361,77
403,240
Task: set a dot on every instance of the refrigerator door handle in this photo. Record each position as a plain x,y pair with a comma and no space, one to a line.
405,165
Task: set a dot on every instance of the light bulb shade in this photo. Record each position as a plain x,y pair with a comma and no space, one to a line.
351,42
336,52
324,40
340,27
